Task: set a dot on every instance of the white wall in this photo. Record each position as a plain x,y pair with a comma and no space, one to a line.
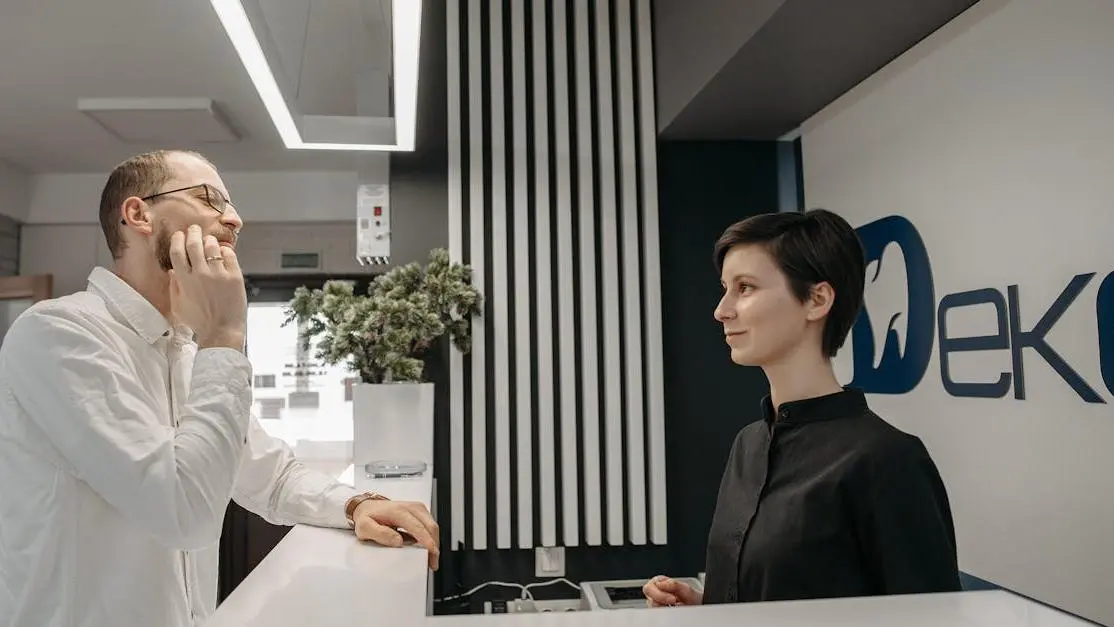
994,138
259,196
283,212
70,251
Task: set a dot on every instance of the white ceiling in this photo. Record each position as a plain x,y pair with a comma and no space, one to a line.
53,52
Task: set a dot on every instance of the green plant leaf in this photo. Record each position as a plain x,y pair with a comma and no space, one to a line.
384,334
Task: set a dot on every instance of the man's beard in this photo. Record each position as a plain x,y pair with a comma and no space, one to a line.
162,245
162,248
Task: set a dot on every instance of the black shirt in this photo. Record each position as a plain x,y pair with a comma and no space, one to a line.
828,500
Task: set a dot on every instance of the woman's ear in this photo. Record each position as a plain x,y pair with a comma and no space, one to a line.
821,297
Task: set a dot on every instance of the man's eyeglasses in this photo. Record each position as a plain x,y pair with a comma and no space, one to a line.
209,195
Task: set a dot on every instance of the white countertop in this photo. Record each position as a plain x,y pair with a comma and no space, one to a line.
326,577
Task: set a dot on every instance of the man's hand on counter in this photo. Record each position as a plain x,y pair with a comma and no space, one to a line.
393,523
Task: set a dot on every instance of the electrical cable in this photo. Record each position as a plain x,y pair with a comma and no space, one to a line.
551,582
481,587
525,590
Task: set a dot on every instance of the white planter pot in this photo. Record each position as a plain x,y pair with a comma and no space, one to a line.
392,421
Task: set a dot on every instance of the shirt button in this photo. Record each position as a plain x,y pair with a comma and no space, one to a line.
784,413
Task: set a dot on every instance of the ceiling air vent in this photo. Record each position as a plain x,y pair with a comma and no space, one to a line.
164,121
300,261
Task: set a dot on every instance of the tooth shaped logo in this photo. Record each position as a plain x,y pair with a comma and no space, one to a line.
886,299
892,338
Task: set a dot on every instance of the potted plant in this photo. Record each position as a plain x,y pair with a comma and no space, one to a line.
383,335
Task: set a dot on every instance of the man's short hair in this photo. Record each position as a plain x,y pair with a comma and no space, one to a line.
812,247
140,176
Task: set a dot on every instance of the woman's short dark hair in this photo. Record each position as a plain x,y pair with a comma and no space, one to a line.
812,247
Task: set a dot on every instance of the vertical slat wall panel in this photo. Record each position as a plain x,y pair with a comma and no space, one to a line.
500,308
456,253
523,368
651,271
612,300
588,364
546,391
634,405
557,425
477,135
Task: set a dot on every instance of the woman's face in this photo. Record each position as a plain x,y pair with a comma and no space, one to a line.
762,319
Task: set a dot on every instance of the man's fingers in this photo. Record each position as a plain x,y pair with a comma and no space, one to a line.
178,259
425,518
231,262
422,514
392,524
413,526
417,522
212,249
368,529
195,248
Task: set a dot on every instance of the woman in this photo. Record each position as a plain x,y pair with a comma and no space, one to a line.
821,498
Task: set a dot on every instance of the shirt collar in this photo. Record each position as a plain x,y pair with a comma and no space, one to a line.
849,402
128,306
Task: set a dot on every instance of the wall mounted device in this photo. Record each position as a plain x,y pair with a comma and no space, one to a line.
373,224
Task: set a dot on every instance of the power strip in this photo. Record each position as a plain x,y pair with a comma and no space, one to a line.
528,606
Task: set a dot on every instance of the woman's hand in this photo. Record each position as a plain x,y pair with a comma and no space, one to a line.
661,591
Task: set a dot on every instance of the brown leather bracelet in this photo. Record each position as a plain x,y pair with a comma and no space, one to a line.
354,502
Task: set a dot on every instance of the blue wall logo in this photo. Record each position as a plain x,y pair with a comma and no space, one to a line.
891,353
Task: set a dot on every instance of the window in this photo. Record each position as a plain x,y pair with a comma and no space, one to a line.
308,401
297,397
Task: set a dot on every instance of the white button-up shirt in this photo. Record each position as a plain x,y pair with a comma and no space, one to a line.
120,447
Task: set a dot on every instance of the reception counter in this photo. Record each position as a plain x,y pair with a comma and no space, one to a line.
324,577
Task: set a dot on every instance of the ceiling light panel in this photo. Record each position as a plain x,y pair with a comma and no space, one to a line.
322,133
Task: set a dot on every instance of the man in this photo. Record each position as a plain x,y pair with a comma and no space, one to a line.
125,426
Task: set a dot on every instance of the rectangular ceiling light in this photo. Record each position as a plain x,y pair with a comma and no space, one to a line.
406,37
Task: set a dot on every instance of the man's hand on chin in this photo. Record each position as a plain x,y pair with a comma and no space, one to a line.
381,521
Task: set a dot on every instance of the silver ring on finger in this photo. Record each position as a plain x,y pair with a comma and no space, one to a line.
214,258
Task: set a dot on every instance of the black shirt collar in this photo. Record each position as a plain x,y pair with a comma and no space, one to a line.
849,402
